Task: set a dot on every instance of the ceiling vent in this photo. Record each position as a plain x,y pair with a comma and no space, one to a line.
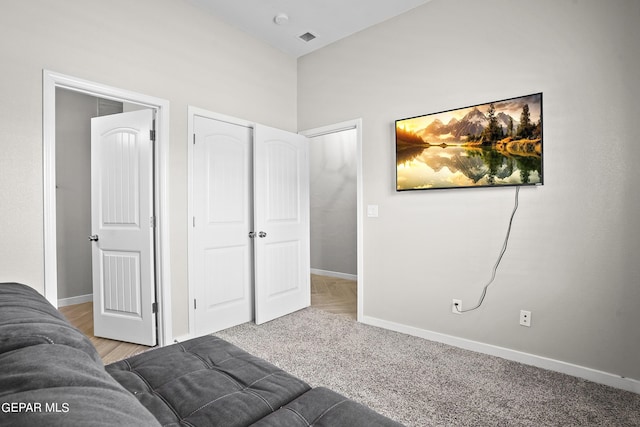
307,37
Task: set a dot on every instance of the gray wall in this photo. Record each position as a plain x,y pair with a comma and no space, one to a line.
74,111
333,194
162,48
573,255
73,191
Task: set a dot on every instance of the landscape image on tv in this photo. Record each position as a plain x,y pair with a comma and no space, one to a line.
494,144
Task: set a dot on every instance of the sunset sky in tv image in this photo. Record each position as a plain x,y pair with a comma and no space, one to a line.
512,107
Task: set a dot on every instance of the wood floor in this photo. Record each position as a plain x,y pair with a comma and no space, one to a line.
81,316
334,295
327,293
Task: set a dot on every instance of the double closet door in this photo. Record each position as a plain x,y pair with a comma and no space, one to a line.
249,251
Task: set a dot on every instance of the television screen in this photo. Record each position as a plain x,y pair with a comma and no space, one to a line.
486,145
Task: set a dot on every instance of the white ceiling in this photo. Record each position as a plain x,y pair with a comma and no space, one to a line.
328,20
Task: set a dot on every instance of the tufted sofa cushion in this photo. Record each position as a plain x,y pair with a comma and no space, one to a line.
322,407
206,381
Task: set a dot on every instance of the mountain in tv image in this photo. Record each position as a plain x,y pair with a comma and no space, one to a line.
473,123
491,124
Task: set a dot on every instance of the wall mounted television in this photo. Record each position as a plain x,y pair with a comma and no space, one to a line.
494,144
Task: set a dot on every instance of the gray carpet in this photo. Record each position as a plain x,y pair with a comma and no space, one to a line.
422,383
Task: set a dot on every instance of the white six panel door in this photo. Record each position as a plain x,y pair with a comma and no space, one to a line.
282,246
121,227
222,208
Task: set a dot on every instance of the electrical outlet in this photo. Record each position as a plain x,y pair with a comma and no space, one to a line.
456,306
525,318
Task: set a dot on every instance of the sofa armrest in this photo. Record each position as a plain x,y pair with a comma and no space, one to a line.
57,385
27,318
51,374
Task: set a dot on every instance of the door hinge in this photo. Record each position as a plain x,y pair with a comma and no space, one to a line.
194,222
195,304
154,307
152,135
152,222
194,139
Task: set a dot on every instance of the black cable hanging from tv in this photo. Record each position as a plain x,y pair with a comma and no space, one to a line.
495,267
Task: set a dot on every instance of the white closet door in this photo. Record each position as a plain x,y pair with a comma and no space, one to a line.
222,251
282,245
122,227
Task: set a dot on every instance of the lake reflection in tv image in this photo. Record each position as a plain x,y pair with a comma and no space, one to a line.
492,144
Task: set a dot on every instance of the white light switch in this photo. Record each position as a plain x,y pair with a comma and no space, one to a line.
372,211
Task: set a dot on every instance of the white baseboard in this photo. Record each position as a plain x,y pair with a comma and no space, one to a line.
75,300
596,376
334,274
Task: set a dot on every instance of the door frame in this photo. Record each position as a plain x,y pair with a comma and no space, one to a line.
192,112
53,80
335,128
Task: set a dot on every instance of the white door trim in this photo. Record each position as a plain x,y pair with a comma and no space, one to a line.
51,81
338,127
192,112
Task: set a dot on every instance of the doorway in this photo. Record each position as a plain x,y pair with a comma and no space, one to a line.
53,81
333,179
104,189
337,249
74,111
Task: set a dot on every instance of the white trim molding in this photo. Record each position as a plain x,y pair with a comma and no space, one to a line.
600,377
335,274
80,299
53,80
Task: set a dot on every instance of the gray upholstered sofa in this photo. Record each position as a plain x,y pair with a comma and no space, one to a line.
51,375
